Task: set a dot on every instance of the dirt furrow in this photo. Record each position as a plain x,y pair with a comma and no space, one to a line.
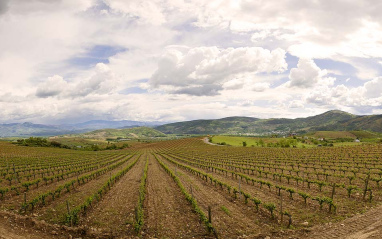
14,202
362,226
167,212
294,206
114,214
57,209
230,217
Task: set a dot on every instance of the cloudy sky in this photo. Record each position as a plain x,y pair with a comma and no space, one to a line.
173,60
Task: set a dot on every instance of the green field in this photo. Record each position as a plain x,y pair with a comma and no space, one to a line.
236,141
335,138
334,134
254,141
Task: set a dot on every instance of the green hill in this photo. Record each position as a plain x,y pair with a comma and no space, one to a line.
219,126
365,134
334,120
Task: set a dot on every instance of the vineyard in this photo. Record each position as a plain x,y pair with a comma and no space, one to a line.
188,189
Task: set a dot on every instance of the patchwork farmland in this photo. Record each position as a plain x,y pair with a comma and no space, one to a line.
187,189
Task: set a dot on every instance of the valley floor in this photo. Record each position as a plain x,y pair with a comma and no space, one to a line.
189,189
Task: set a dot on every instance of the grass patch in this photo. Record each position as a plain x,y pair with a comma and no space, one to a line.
252,141
236,141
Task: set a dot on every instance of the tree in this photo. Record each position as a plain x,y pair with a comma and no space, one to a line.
244,143
261,142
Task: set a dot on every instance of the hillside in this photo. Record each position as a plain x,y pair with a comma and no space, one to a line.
28,129
334,120
219,126
137,132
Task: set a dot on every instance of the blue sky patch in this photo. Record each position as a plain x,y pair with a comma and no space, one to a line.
133,90
97,54
344,68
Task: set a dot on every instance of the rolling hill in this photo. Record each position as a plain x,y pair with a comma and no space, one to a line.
334,120
29,129
229,124
136,132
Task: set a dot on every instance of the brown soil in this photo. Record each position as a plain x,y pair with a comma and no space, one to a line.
56,210
240,221
206,140
167,212
9,230
13,202
115,213
14,226
169,215
293,206
362,226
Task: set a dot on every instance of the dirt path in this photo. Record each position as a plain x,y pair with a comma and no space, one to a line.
115,213
362,226
205,140
167,213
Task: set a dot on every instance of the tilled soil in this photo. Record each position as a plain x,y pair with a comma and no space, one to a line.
167,212
362,226
231,218
13,226
13,202
300,211
56,210
294,205
11,231
169,215
114,214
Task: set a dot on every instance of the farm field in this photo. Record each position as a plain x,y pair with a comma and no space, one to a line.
335,138
188,189
252,141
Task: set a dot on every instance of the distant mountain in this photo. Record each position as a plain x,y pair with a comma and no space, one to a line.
136,132
105,124
334,120
219,126
29,129
331,120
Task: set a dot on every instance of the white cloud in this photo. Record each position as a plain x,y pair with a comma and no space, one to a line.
373,88
296,104
187,55
260,87
307,74
100,82
3,6
51,87
203,70
234,84
368,95
146,11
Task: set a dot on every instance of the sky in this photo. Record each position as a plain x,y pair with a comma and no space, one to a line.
70,61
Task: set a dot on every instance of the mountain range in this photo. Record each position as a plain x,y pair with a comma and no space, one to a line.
333,120
29,129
